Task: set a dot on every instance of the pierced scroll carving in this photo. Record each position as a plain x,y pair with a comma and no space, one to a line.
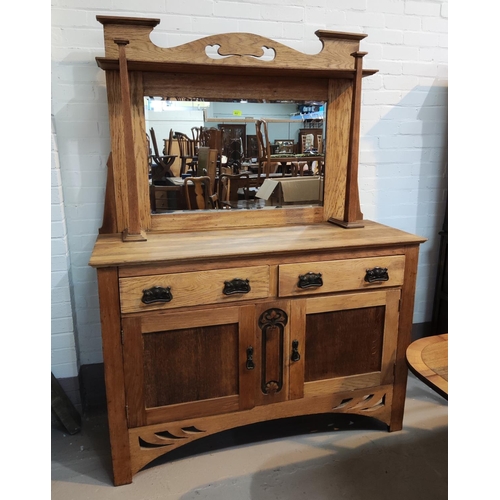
169,437
148,443
230,49
257,51
362,404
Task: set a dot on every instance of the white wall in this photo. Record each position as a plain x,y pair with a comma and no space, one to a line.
403,177
63,346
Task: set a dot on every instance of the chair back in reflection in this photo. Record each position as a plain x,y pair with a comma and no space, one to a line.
168,149
160,164
186,152
232,188
310,142
198,193
263,147
196,132
207,165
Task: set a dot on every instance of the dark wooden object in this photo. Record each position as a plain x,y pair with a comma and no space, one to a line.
64,409
440,309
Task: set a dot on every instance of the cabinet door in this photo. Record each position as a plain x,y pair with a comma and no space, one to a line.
187,364
346,341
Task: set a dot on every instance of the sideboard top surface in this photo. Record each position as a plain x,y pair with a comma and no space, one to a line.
110,250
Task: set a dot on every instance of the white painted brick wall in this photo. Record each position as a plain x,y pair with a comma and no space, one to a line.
63,348
403,150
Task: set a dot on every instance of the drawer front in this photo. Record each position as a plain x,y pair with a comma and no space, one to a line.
335,276
168,291
161,195
161,203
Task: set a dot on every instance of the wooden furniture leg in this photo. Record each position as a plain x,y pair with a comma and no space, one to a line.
404,339
107,280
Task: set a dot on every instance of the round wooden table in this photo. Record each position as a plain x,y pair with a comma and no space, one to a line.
427,359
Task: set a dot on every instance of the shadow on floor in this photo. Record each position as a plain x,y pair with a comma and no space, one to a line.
411,464
412,467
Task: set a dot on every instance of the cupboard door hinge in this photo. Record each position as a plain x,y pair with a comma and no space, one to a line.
121,335
126,412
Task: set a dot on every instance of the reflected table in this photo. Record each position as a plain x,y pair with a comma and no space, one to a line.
297,161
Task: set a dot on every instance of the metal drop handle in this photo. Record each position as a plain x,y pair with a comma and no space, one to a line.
250,365
295,351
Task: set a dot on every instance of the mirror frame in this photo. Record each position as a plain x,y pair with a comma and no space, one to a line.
135,67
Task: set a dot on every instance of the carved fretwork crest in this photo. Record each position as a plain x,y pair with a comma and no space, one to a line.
273,317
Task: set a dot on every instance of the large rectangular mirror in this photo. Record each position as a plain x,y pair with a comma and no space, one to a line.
250,153
138,70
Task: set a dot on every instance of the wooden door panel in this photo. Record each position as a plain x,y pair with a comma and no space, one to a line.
180,365
343,343
190,365
350,341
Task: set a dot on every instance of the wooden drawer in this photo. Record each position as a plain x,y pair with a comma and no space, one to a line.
340,275
192,289
161,195
161,203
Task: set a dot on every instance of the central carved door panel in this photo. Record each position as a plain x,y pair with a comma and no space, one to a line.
272,345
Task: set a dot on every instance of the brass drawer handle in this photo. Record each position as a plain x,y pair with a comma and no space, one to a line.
376,275
156,294
310,280
236,286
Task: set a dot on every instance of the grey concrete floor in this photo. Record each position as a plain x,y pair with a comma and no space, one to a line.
322,457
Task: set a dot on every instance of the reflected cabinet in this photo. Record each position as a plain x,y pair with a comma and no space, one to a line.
217,319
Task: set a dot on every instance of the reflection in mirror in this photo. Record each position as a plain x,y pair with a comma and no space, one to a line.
255,154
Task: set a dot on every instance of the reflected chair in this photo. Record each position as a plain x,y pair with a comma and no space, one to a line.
167,149
198,193
233,188
160,164
187,153
161,195
264,148
197,133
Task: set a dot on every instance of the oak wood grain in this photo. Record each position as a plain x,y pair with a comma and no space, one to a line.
349,401
335,54
191,289
107,280
428,359
198,245
340,275
404,337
